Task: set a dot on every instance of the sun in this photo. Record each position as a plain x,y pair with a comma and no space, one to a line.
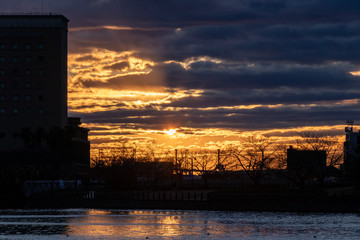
170,132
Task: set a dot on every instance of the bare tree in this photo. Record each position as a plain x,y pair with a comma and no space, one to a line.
203,161
180,159
322,142
254,156
312,141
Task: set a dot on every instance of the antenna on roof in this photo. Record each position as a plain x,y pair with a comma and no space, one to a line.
350,124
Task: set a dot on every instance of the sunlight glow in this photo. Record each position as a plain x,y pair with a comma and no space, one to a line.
170,132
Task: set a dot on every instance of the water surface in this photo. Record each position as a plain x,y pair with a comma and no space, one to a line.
161,224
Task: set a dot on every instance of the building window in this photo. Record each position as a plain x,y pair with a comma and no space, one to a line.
28,85
40,84
2,59
41,71
2,110
15,46
2,98
41,58
15,84
28,98
2,72
15,71
2,46
28,59
15,110
15,59
2,85
41,97
27,46
41,111
28,110
41,46
27,71
15,97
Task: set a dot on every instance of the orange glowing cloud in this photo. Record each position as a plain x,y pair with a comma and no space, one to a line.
100,65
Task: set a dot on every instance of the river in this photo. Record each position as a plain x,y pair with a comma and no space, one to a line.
165,224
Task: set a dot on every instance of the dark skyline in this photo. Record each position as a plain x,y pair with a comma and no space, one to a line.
209,67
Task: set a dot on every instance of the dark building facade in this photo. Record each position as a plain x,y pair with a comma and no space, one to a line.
79,149
351,155
37,139
33,75
306,164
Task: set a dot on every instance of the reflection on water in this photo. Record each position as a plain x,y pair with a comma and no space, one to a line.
159,224
130,224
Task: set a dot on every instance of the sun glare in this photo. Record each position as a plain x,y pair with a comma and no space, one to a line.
170,132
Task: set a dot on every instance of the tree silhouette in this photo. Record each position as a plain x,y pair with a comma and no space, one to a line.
254,155
322,142
204,161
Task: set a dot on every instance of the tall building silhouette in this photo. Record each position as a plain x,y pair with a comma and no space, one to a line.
352,153
33,75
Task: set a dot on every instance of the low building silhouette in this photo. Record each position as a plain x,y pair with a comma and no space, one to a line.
306,165
79,150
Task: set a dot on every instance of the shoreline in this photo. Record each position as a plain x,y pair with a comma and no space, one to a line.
192,200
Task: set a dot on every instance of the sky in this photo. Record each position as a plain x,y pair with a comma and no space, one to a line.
211,70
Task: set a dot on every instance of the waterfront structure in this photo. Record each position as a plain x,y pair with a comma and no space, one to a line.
33,75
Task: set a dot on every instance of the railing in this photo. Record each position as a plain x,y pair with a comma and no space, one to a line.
149,196
127,196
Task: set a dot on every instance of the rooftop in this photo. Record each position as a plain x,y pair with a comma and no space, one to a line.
33,20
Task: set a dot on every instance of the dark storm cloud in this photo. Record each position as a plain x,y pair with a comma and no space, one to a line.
247,78
284,31
315,44
254,97
189,12
208,75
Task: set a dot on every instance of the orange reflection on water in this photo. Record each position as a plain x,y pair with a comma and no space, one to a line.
128,224
170,226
